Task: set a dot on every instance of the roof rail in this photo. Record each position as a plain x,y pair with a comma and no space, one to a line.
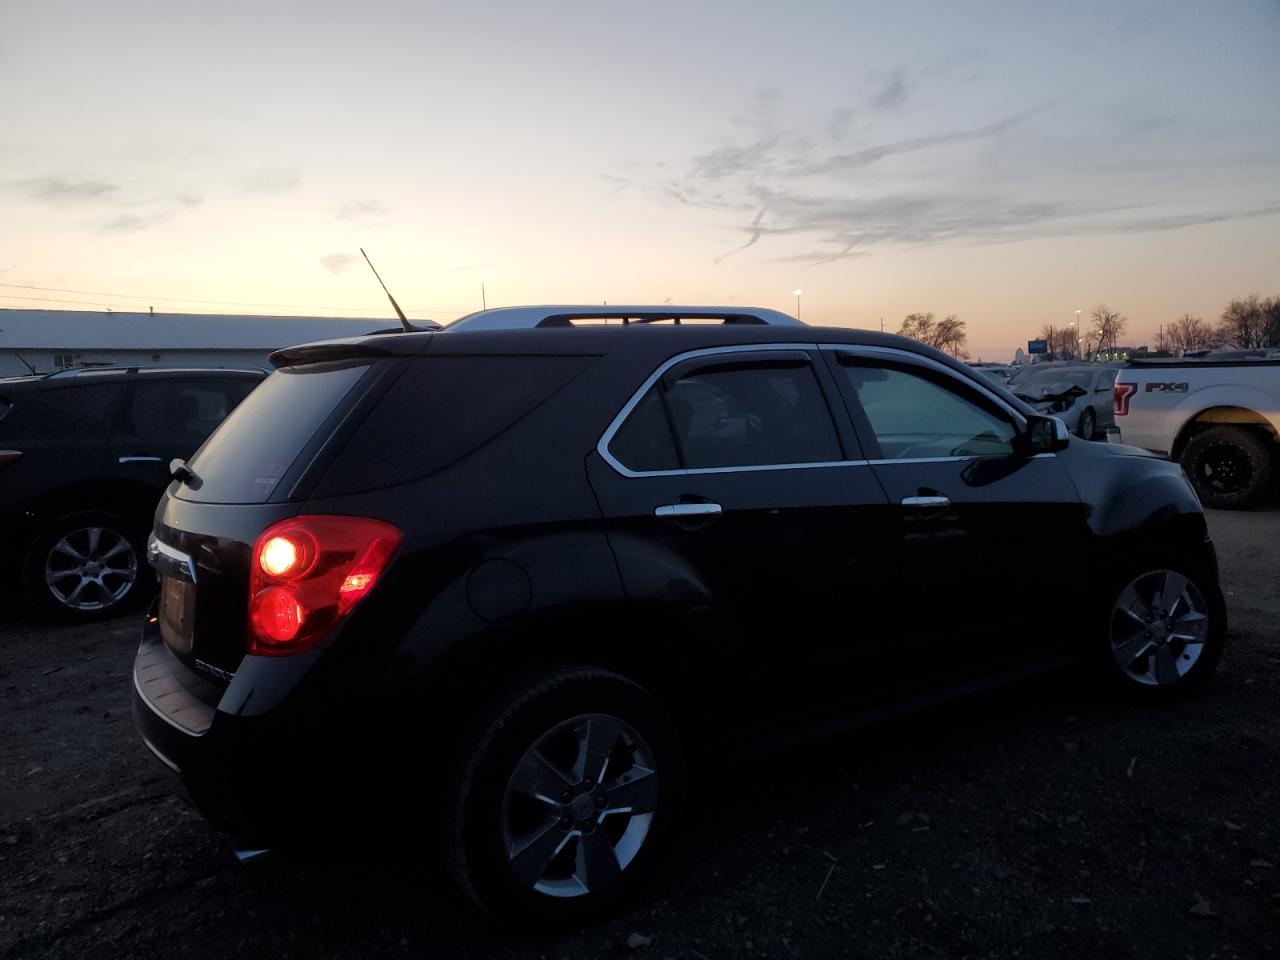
569,315
115,370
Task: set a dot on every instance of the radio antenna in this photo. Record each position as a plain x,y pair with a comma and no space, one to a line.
408,327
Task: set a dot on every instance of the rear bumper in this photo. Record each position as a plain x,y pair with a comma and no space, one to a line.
267,778
222,762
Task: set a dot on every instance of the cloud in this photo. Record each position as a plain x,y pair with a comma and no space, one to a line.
58,190
270,182
189,199
133,222
893,92
361,209
338,262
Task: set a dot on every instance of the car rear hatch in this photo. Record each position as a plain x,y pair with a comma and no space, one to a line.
253,471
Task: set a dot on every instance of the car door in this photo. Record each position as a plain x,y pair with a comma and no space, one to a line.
989,538
168,417
748,531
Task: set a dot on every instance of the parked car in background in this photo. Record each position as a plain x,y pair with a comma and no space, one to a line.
1079,393
998,372
84,457
1219,418
500,592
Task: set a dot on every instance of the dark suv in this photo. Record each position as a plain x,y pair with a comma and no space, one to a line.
509,585
84,458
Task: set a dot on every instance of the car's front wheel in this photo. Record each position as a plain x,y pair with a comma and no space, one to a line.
1230,466
1166,630
564,800
84,566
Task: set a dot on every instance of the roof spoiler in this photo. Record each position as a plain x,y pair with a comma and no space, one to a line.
325,350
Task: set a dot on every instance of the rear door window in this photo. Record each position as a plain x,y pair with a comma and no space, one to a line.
244,459
182,411
729,413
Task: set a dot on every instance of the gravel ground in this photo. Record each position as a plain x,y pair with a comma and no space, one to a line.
1036,822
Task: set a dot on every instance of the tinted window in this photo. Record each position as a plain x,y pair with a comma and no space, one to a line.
913,416
186,410
440,410
71,412
746,415
643,442
247,455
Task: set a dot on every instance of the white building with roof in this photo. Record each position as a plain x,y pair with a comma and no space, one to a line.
49,340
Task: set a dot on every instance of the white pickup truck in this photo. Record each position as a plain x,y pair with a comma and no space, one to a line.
1219,419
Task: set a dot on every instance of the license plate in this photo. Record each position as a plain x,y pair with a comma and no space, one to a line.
177,613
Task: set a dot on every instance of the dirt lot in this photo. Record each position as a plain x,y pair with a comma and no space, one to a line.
1035,823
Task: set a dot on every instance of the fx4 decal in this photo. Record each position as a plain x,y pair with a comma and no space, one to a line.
1167,387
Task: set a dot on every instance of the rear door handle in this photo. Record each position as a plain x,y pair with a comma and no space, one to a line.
925,502
140,459
679,510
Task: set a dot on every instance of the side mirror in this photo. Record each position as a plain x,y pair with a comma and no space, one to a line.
1044,435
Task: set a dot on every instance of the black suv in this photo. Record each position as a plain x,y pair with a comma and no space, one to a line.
507,586
84,458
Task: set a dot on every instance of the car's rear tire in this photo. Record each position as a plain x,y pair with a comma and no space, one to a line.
86,566
532,838
1229,466
1163,630
1088,424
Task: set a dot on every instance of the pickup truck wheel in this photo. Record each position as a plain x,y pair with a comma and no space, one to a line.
565,800
1165,631
1088,423
86,566
1230,467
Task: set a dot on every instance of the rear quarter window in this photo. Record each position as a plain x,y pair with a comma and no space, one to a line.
64,412
440,410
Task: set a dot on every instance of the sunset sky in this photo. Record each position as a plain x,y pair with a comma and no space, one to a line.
1007,163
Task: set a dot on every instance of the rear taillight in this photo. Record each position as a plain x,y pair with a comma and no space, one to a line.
307,573
9,456
1120,395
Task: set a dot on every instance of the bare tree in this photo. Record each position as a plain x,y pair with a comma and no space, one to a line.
1109,325
1188,333
948,334
1243,323
1061,341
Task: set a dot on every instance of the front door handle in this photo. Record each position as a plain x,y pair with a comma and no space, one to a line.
140,459
680,510
926,502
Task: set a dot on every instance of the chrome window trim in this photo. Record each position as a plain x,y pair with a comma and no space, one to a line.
602,446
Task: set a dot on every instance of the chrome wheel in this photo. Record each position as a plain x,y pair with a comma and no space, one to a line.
579,806
1159,627
91,568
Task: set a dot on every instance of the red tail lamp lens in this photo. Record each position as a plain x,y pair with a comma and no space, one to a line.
1120,395
277,615
306,575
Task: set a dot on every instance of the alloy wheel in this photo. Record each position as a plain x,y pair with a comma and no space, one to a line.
579,806
1224,469
1159,627
91,568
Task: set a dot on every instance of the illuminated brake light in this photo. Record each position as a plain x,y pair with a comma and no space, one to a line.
306,575
1120,395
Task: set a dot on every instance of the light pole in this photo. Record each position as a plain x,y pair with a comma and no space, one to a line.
797,295
1076,326
484,304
